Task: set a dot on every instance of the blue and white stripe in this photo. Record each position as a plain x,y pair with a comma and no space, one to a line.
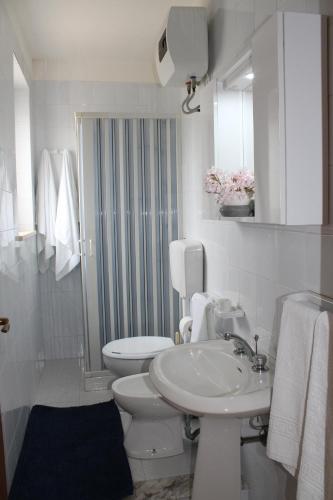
136,218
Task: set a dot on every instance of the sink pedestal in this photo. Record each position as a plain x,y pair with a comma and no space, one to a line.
217,470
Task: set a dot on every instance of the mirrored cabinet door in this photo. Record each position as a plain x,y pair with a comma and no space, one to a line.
290,123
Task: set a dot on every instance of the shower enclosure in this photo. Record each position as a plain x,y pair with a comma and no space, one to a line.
129,209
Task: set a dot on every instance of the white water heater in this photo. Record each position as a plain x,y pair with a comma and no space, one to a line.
182,49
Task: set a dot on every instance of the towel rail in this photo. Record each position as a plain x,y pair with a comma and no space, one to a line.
56,151
323,302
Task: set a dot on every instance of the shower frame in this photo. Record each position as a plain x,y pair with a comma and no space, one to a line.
93,360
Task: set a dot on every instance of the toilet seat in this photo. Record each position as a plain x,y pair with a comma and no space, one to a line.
142,347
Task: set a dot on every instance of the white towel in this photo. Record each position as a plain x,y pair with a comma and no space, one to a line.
297,424
199,304
317,446
290,383
46,200
67,228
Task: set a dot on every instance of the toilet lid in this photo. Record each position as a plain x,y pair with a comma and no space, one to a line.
137,347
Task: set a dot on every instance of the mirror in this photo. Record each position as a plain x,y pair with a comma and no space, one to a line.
230,183
270,118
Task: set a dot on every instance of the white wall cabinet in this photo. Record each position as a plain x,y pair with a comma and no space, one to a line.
290,123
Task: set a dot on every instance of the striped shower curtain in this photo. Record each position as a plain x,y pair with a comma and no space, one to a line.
136,216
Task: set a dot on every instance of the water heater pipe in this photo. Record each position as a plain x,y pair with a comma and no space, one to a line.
190,87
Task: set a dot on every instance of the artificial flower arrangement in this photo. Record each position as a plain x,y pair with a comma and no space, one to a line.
230,188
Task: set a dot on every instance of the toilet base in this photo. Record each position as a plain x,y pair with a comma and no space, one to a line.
154,438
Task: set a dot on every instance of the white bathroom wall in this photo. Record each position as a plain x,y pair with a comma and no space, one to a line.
253,264
19,292
54,105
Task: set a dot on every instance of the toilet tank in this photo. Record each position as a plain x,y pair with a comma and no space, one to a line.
186,267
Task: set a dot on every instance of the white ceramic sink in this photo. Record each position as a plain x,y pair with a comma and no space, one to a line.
206,378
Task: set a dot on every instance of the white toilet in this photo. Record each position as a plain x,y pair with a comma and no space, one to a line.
133,355
155,430
152,427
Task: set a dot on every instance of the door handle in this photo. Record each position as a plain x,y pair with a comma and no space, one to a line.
4,325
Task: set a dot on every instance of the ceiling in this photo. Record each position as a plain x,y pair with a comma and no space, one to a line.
112,31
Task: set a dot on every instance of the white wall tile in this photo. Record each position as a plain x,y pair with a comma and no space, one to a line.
248,297
267,293
266,253
260,264
54,105
326,271
291,259
313,259
19,291
263,9
20,348
308,6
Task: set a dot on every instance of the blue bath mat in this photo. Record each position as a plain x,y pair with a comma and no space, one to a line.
73,454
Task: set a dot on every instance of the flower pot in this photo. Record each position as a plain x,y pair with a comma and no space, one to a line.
238,210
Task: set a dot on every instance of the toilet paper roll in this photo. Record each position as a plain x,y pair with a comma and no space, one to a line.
185,328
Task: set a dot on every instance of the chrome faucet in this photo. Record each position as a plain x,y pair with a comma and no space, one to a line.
242,347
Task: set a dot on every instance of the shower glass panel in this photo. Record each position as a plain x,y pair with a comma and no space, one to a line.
129,214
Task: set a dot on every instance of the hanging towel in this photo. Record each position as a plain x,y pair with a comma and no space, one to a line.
46,200
297,424
317,446
290,383
66,227
199,304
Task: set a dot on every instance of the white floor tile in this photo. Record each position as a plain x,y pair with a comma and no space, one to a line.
93,397
58,404
60,383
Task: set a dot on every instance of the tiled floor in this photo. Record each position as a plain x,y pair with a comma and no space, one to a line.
62,384
175,488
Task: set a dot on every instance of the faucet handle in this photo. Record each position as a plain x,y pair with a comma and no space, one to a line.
260,360
259,364
256,338
227,335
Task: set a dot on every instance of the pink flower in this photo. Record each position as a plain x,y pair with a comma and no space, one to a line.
235,187
213,181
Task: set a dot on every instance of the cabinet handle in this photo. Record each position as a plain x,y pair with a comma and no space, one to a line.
4,325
